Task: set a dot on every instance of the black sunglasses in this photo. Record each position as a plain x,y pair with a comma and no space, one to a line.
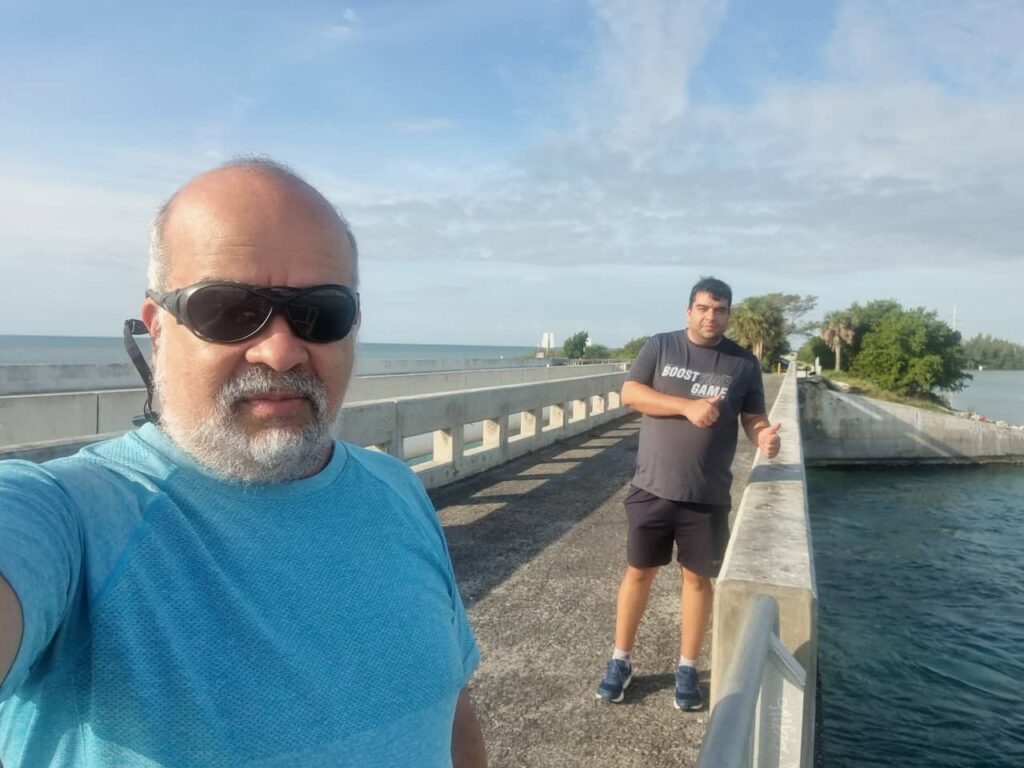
226,312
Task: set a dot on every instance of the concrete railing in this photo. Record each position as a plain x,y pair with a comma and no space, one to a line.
770,554
469,430
758,720
546,411
28,379
38,418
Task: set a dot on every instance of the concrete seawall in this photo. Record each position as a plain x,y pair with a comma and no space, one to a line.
840,428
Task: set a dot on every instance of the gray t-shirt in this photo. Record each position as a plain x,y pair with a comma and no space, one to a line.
677,460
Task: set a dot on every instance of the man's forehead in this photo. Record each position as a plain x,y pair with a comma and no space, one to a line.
706,299
253,192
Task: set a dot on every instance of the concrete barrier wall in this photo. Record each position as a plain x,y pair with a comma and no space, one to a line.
842,428
380,387
540,413
47,417
770,553
573,406
42,379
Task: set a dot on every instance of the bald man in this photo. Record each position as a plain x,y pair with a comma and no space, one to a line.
229,585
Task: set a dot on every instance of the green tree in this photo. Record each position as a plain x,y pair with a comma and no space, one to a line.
865,319
597,352
759,325
815,347
912,352
576,345
837,331
632,348
793,308
997,354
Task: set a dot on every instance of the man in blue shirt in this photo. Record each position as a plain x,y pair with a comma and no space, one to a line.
231,586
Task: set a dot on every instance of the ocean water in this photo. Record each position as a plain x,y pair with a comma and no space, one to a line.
921,615
994,394
28,350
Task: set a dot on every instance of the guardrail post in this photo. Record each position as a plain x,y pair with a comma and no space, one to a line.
496,432
530,421
558,412
448,444
614,399
579,409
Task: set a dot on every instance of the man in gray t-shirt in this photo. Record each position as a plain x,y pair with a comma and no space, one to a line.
693,387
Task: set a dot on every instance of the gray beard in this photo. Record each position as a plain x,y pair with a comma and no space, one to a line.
270,455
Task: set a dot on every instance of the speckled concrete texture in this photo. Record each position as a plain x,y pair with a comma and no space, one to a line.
539,547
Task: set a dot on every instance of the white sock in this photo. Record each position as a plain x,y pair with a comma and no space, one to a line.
618,653
685,662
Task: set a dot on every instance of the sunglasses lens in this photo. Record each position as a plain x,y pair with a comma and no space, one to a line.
324,315
227,313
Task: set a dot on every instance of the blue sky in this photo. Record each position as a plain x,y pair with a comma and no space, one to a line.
514,168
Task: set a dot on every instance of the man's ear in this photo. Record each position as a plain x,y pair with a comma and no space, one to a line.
151,319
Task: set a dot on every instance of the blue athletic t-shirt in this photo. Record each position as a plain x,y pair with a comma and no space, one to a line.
173,619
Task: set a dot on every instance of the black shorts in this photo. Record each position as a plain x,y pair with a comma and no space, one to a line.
700,532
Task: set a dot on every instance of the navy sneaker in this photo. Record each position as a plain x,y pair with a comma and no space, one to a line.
688,695
617,677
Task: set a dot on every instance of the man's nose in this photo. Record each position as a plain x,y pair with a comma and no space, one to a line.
277,346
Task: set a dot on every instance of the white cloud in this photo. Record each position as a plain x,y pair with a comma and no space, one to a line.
879,165
343,31
647,50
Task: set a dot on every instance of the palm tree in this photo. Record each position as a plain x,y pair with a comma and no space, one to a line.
758,324
837,329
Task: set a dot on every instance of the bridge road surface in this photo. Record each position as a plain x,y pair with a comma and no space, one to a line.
538,546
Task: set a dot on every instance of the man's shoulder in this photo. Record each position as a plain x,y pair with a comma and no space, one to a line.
666,341
388,469
662,338
96,462
734,349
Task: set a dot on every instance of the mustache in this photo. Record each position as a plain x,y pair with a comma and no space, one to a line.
260,380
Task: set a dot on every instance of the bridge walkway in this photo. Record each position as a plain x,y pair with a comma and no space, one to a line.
539,547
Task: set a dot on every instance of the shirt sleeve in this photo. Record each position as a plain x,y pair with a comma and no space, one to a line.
40,557
641,370
753,398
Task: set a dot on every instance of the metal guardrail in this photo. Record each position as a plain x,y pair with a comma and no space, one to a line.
759,720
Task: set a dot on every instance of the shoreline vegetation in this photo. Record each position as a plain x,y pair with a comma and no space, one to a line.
844,382
879,349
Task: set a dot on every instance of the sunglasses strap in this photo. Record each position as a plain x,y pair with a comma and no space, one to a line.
133,328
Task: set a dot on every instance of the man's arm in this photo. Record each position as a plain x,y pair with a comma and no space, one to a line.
649,401
10,627
468,750
762,433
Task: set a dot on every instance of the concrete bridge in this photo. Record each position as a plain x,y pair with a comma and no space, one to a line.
528,469
539,548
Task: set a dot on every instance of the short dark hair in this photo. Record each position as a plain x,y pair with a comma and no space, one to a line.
718,290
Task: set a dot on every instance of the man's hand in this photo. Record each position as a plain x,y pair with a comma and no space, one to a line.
702,413
768,441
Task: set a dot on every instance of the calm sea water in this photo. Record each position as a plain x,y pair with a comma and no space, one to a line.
995,394
921,615
27,350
